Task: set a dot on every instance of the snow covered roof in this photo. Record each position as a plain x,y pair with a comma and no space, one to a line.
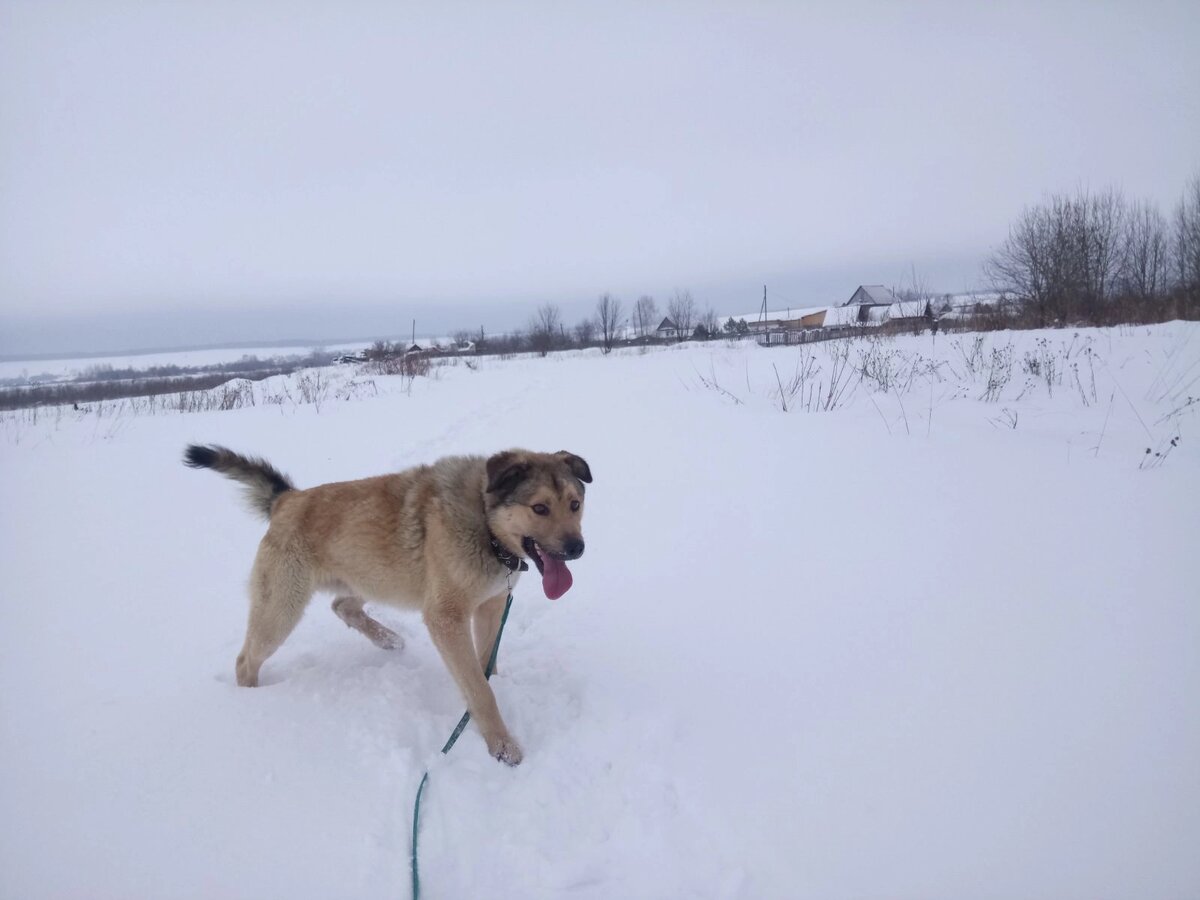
901,309
841,315
907,309
973,299
876,294
780,315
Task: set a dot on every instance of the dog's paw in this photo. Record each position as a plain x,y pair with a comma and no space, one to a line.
386,639
506,750
247,674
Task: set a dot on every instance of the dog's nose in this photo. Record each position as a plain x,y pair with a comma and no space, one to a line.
573,548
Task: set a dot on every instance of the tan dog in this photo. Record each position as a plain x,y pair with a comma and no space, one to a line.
446,539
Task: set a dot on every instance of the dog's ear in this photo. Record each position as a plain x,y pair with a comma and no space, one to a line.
505,471
577,464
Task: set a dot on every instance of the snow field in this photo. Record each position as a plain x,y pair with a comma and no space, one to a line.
807,654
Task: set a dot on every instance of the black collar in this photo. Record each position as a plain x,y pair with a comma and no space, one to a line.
509,560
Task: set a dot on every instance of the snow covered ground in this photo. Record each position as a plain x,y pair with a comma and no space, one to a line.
69,368
937,641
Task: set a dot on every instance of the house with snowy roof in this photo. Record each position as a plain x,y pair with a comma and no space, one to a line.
869,305
871,295
879,305
811,317
898,312
667,330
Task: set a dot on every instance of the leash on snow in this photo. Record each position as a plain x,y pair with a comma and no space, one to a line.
458,730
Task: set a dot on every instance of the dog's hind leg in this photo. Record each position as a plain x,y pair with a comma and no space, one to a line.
279,592
350,610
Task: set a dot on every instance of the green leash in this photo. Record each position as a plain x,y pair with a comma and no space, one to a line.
458,730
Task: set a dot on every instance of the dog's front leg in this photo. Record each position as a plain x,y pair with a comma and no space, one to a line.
486,624
450,627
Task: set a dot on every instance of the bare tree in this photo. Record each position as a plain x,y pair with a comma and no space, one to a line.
708,322
609,318
585,331
1102,227
916,287
1186,241
516,341
1023,267
682,310
1146,253
1062,259
645,315
544,328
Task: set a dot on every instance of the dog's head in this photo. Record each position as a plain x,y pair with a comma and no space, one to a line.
535,504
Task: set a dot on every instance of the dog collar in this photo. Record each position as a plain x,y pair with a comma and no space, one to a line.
509,560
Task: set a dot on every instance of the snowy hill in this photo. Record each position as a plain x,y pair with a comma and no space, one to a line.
931,632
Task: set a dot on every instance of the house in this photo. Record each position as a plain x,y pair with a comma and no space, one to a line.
868,297
758,323
812,317
910,310
902,311
970,303
842,316
869,305
667,330
871,295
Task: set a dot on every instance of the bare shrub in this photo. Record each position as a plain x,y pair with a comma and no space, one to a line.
801,389
585,332
410,365
610,318
711,383
234,395
971,355
840,376
877,364
1154,459
999,372
313,387
682,310
545,329
1043,363
645,316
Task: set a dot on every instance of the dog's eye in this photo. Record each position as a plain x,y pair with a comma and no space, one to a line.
574,506
541,509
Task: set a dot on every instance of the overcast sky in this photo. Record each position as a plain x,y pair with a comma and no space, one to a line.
180,173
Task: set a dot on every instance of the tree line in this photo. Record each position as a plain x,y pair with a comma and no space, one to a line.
1099,258
608,324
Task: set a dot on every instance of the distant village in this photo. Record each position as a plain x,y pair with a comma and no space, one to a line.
869,307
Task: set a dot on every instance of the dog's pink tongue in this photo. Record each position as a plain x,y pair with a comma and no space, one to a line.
556,577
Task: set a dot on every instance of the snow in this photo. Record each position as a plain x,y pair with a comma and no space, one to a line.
896,649
841,315
62,368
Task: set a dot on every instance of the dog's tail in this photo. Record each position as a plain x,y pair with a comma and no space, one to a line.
262,481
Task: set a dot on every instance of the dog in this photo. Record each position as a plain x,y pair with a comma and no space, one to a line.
449,539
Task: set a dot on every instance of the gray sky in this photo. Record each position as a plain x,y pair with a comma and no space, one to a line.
176,173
